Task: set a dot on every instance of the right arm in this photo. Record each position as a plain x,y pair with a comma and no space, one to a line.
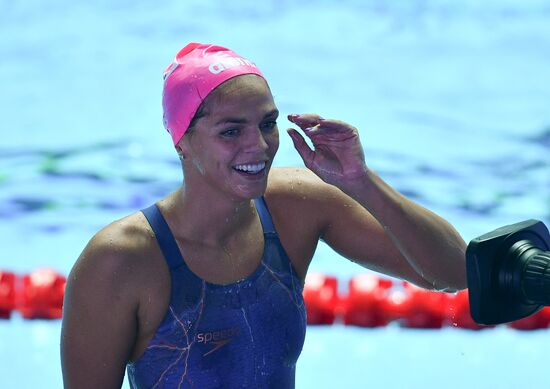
100,323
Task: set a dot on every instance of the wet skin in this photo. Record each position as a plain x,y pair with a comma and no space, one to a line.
239,128
119,289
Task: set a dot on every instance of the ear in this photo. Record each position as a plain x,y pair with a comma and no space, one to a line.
184,147
180,151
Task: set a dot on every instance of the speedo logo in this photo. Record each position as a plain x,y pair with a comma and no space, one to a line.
228,63
217,339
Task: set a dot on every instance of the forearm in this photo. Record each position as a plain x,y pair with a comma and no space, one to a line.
432,247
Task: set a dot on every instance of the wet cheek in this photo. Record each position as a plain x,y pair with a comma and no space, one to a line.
223,176
221,165
198,166
274,146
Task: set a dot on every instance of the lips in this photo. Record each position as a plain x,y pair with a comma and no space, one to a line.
250,168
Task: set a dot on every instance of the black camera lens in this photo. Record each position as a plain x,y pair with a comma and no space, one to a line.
508,272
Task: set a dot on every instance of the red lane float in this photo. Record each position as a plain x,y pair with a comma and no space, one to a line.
370,301
458,312
539,320
366,302
42,295
422,308
321,298
7,294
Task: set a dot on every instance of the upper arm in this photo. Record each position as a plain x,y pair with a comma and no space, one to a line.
353,232
99,318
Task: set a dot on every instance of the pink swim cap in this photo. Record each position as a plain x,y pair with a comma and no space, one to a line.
196,71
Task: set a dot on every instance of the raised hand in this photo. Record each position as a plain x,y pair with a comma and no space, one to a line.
338,157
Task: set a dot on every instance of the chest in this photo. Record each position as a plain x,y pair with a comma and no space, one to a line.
224,264
213,327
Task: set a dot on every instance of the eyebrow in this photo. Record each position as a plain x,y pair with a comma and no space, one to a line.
237,120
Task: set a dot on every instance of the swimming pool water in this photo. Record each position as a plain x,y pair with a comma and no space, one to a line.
451,100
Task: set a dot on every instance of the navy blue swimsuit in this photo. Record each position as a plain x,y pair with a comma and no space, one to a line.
247,334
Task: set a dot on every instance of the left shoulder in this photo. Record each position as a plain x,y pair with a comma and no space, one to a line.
299,184
303,192
301,200
305,209
294,197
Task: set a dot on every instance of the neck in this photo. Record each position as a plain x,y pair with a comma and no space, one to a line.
210,219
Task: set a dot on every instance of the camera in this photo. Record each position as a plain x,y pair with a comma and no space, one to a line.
508,272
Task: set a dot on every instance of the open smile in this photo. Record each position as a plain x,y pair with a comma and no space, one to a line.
251,169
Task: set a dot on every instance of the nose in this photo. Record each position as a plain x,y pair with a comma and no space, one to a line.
256,140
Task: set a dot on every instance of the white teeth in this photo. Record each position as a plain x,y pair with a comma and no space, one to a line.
251,168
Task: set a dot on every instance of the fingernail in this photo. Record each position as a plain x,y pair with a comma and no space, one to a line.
308,129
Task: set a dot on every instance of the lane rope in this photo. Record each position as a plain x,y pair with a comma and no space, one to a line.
368,301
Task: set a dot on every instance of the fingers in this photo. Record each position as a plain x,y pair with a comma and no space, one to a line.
329,124
301,146
304,121
313,124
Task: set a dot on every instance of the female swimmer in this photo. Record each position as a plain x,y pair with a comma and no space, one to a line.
204,288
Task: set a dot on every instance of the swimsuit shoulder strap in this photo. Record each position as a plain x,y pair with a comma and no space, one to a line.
265,216
164,236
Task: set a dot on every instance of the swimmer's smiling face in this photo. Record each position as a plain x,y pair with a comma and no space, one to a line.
232,145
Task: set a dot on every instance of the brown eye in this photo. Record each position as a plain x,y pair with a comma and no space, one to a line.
230,132
268,126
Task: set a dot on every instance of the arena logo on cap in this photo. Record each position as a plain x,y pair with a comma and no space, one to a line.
228,63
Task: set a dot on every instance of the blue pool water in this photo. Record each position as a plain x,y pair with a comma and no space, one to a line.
451,100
